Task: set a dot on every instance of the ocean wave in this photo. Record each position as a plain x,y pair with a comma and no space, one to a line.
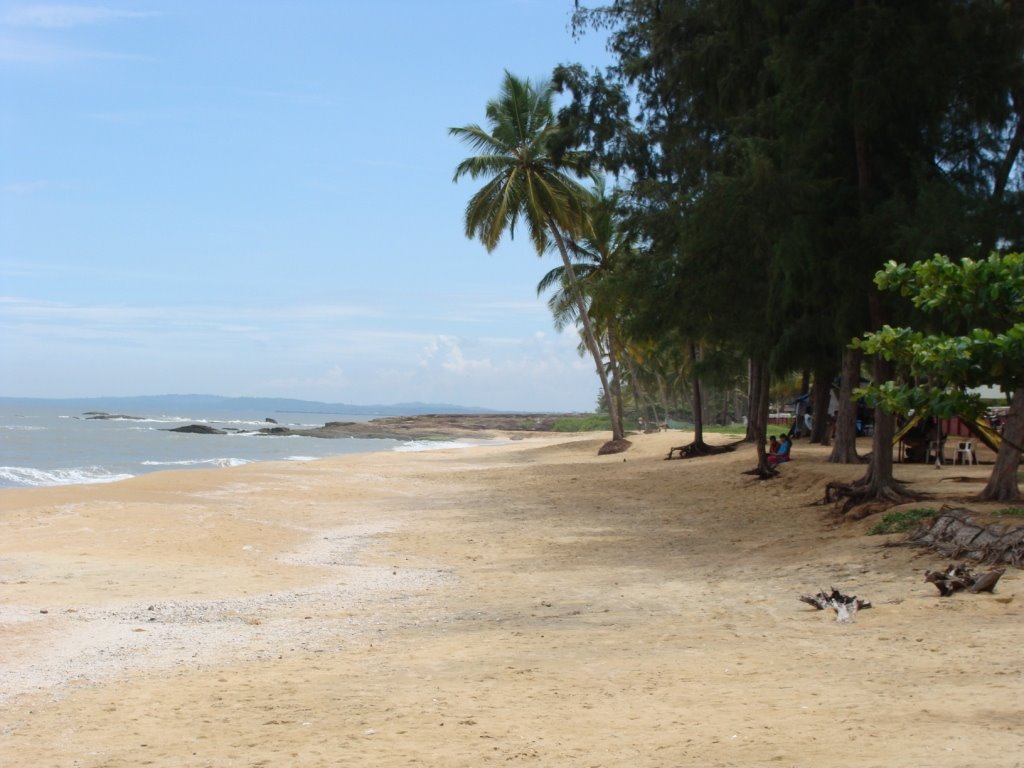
22,428
429,445
223,462
32,477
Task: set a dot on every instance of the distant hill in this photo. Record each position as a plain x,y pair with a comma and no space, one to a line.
229,405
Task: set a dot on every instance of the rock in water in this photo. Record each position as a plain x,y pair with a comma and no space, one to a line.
199,429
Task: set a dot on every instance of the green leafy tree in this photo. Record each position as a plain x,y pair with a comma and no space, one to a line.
980,304
704,183
525,180
795,146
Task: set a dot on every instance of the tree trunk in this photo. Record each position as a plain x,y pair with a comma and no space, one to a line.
618,433
757,419
697,398
879,483
1002,483
616,381
754,408
822,396
844,449
666,400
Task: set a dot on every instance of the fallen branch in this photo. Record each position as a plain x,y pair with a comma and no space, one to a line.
959,577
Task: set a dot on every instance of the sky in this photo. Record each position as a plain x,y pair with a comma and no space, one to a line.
255,198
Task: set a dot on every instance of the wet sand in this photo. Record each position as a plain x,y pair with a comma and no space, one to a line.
528,603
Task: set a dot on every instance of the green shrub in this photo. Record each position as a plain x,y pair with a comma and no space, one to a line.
900,522
729,429
1010,512
591,422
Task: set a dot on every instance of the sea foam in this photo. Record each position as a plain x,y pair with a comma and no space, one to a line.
32,477
429,445
222,462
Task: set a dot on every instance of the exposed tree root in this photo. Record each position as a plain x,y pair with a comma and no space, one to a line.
763,474
614,446
856,494
696,449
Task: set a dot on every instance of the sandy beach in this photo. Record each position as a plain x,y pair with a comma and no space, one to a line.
523,603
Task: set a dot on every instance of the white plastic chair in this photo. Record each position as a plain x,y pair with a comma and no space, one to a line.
965,453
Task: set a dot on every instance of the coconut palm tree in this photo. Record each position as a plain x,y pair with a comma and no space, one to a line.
527,181
594,258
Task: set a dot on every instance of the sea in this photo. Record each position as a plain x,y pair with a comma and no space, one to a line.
48,444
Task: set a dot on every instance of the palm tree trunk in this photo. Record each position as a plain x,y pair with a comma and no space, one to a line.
618,432
616,379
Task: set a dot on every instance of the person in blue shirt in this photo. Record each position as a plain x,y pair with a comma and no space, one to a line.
782,454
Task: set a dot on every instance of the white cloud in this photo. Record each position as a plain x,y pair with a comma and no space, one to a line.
443,353
65,16
16,51
24,187
321,352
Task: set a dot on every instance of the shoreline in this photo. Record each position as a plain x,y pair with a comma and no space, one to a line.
529,601
48,457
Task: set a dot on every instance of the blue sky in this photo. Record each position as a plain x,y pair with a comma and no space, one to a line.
255,199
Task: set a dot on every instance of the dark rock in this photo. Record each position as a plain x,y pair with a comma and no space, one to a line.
198,429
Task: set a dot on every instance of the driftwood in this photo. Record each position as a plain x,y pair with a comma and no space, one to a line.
957,535
845,606
958,577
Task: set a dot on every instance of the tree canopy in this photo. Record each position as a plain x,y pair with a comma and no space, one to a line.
978,306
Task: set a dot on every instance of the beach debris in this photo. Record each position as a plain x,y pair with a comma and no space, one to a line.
845,606
958,577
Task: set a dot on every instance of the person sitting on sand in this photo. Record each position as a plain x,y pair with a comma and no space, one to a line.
781,454
773,446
